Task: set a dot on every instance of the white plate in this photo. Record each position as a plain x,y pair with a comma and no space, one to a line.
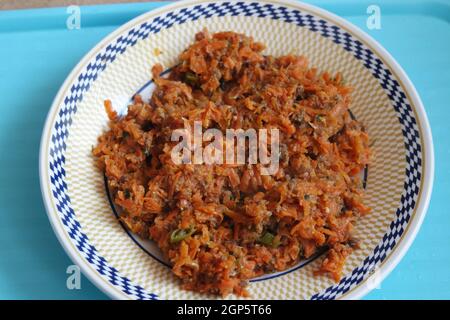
399,181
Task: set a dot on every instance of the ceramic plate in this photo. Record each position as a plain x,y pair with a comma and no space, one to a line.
398,182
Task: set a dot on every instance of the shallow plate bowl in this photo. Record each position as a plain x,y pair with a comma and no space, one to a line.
398,182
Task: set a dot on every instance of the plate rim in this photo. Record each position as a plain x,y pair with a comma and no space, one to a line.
418,108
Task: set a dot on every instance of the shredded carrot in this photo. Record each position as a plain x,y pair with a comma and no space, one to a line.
220,225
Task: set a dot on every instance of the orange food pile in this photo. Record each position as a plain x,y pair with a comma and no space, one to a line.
221,225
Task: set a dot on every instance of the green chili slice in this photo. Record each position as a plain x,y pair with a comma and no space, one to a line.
269,239
180,234
190,78
320,118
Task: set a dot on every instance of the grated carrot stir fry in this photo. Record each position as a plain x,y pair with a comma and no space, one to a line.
221,225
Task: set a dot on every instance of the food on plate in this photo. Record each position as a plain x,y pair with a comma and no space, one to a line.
220,225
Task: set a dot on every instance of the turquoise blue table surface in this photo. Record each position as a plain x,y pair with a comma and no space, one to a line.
37,52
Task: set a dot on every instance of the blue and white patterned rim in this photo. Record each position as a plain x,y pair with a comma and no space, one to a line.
287,13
